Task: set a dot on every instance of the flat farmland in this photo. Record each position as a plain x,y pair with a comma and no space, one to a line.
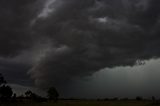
86,103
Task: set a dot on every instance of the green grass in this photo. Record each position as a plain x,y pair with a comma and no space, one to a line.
86,103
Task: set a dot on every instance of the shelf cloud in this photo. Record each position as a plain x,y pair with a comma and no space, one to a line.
63,40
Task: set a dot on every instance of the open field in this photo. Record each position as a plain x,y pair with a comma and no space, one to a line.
86,103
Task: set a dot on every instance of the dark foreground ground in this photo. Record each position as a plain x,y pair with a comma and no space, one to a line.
86,103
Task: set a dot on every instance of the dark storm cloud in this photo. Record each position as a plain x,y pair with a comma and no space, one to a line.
75,38
15,17
91,45
15,38
147,17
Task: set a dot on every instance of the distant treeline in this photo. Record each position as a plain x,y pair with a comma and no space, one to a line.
7,95
137,98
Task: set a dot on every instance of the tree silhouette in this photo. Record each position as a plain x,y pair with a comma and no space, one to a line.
2,81
28,94
53,94
139,98
33,97
5,90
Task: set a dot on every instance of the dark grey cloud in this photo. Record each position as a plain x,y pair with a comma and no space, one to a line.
15,17
67,40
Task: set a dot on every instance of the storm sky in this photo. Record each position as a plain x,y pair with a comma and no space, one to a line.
110,47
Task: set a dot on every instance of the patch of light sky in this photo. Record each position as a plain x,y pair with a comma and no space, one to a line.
102,19
47,9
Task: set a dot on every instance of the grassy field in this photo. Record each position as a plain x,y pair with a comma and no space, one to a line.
86,103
